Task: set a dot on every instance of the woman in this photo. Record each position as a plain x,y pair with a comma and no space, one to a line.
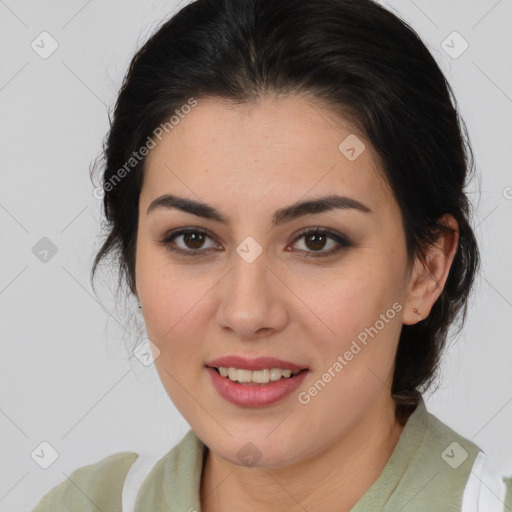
285,190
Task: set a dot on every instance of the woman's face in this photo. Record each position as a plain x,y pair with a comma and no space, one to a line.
250,287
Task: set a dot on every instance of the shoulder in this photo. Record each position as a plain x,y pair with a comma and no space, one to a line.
456,472
152,481
438,445
92,487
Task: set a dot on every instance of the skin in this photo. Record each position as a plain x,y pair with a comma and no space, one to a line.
248,161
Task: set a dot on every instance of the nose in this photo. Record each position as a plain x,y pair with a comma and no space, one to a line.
252,303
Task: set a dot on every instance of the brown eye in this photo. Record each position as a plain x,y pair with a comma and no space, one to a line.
192,241
316,240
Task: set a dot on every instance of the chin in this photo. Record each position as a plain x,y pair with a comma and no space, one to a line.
258,450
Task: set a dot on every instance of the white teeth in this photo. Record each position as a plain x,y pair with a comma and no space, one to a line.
256,376
275,373
244,375
260,376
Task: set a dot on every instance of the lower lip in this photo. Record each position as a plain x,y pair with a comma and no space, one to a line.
255,395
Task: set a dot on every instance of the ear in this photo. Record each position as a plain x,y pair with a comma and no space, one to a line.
427,281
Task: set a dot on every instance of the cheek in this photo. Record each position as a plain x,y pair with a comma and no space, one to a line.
172,314
361,323
347,303
356,344
170,302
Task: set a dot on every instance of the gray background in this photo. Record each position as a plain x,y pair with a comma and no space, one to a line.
65,376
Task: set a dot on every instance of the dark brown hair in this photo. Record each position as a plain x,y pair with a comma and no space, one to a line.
362,61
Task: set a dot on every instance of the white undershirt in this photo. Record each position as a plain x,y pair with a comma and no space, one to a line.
485,490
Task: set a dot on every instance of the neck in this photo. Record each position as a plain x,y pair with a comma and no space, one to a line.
334,479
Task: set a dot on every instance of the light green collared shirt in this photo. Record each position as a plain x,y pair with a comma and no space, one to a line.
432,468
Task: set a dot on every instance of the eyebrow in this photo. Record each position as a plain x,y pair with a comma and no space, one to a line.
281,216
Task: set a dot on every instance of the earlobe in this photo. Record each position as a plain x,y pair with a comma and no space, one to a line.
429,277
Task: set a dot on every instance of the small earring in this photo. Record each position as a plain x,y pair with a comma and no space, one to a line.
417,312
140,307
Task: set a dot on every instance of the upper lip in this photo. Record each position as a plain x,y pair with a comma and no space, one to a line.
256,363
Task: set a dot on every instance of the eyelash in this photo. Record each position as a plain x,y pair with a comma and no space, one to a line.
340,239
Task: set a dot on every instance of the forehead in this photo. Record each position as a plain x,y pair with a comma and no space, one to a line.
274,150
